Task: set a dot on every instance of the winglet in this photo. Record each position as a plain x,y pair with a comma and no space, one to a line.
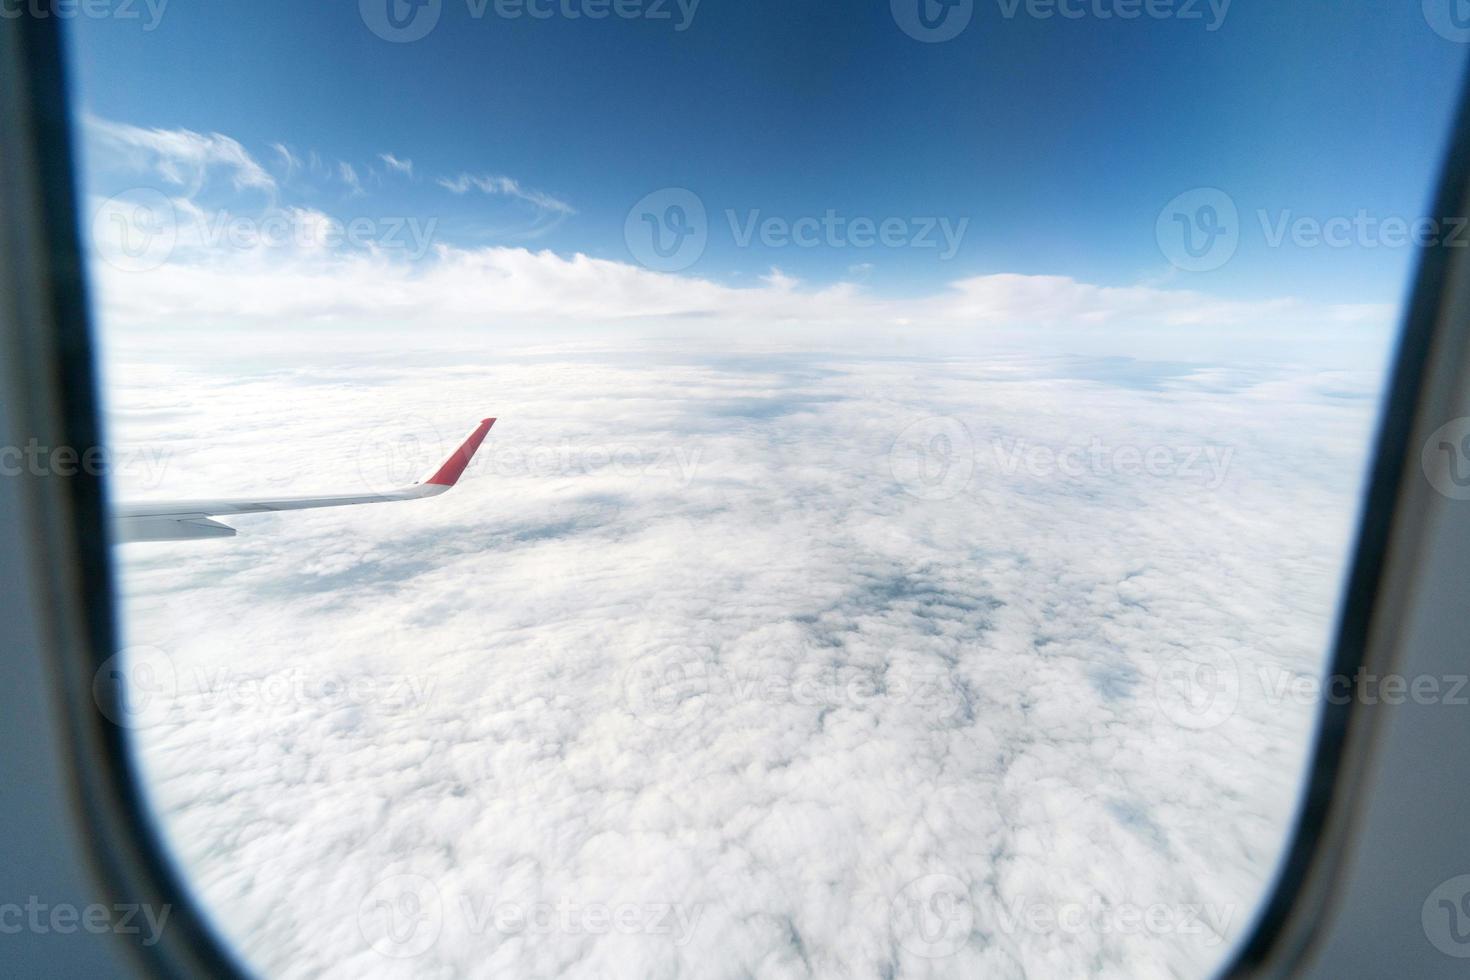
450,471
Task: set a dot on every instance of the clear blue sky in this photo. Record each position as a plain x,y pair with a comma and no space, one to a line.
1060,140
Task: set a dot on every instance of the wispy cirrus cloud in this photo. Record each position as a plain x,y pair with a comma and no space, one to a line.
505,187
180,156
348,174
396,165
290,162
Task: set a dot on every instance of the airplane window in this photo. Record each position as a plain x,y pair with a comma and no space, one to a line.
662,488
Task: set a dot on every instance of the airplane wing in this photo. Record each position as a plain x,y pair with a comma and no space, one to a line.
188,520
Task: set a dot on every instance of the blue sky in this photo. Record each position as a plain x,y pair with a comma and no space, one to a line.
1060,140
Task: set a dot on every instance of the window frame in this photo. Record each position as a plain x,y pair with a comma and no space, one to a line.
46,339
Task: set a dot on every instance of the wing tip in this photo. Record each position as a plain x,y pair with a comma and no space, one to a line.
453,468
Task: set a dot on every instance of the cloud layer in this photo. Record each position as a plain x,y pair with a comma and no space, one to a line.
205,236
726,663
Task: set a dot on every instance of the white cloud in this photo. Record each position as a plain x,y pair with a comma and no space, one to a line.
505,187
722,630
404,167
407,273
290,162
499,287
348,174
180,156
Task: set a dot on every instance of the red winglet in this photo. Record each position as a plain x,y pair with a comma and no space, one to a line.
455,465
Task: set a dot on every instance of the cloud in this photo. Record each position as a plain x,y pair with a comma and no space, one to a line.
289,160
180,156
767,653
502,286
348,174
505,187
393,163
402,270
